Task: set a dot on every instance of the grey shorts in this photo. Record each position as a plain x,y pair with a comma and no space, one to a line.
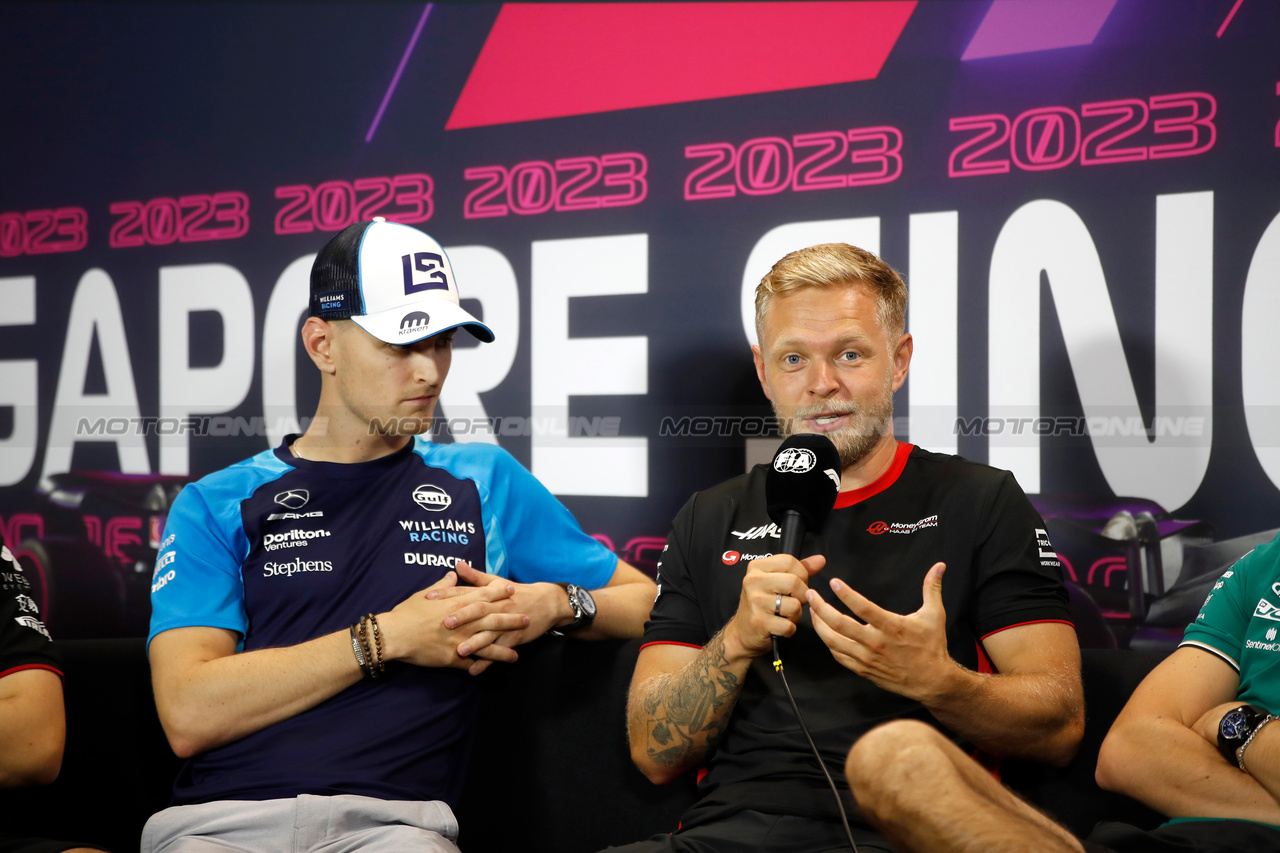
304,824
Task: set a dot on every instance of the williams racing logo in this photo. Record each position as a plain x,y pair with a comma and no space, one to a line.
879,527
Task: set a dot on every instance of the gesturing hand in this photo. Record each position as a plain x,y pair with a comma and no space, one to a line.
770,604
461,630
904,654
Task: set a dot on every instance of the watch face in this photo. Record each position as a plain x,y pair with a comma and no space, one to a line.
586,602
1234,725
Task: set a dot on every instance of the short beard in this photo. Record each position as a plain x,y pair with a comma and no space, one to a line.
853,442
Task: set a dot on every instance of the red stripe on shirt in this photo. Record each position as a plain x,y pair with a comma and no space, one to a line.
884,481
52,669
1032,622
669,643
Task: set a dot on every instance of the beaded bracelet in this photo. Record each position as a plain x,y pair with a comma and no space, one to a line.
378,664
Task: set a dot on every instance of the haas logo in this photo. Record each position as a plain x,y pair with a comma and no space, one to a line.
878,527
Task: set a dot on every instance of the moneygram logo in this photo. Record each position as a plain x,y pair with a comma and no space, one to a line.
730,558
878,527
432,498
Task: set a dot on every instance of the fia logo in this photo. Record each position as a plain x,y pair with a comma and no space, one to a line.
425,262
795,460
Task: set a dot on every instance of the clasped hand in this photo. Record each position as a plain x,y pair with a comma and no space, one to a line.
446,625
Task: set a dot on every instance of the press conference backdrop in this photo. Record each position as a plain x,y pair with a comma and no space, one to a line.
1083,195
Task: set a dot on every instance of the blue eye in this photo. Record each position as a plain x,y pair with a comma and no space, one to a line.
850,356
791,359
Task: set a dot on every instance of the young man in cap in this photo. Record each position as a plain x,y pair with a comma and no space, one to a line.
317,619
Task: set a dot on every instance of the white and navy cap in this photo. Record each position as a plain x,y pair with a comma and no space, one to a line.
393,281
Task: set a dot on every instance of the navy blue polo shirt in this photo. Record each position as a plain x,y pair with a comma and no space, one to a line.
282,550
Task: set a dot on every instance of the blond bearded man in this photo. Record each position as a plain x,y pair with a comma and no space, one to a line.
983,653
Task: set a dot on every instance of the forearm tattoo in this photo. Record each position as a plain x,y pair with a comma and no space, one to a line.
686,711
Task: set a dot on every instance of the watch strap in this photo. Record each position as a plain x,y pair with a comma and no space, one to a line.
581,618
1253,734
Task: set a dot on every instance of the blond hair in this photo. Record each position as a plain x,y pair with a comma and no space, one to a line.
837,265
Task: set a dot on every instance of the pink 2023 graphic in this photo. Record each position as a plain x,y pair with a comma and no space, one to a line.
1055,137
770,164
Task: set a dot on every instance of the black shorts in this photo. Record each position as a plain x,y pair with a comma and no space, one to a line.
1197,836
10,844
758,832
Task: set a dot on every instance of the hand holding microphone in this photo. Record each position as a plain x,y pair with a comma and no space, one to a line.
800,490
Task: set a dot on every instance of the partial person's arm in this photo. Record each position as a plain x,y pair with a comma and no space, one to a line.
207,695
1160,751
681,698
33,728
1031,707
622,605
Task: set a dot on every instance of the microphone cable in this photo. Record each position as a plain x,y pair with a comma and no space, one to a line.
844,819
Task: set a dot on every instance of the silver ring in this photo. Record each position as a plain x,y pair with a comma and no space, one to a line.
777,605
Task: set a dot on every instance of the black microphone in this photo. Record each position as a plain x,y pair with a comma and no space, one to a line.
800,492
801,487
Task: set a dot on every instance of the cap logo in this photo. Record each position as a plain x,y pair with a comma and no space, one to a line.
333,300
414,321
795,460
424,262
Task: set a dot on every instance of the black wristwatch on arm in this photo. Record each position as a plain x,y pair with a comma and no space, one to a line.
1237,728
584,610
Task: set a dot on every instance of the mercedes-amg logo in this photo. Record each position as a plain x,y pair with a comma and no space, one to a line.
294,498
